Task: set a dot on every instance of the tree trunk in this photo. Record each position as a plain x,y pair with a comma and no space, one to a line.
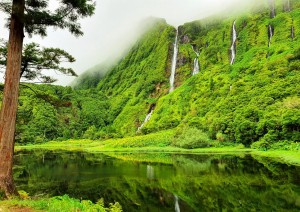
10,98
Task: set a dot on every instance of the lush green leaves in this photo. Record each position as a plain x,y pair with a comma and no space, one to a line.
38,63
38,15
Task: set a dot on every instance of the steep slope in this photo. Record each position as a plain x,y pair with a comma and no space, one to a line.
140,78
256,98
91,77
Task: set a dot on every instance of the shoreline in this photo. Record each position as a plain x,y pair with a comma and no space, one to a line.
283,156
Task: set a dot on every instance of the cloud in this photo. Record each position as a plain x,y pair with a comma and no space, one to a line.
114,27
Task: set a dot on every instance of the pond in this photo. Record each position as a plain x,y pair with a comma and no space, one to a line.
162,182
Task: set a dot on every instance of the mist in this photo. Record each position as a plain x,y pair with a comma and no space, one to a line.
115,27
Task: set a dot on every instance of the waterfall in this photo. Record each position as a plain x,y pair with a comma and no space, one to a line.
173,68
196,63
293,33
195,51
196,66
271,33
287,6
177,208
272,8
233,46
148,116
150,172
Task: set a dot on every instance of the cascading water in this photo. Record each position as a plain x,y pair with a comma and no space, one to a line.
148,116
287,6
150,172
293,33
271,33
272,8
196,66
174,60
177,208
196,63
233,46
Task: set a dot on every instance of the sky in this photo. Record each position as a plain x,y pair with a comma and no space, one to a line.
115,27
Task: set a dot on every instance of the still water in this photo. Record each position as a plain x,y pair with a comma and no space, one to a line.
162,182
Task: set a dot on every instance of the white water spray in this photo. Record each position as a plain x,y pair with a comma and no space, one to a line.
287,6
196,63
196,66
173,68
293,33
272,7
177,208
150,172
233,46
270,34
195,51
148,116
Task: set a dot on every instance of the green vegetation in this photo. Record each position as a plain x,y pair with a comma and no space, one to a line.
59,203
150,181
252,106
135,84
255,102
256,99
49,112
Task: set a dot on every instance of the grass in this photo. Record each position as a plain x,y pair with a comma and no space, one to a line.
157,143
282,156
59,204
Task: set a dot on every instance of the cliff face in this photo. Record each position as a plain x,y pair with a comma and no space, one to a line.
255,98
141,77
246,87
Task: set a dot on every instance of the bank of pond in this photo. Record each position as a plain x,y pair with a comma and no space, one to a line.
140,181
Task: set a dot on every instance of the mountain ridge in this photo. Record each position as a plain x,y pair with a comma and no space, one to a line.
253,101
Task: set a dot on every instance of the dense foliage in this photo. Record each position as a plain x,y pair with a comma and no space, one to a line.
135,84
256,99
38,63
49,112
59,203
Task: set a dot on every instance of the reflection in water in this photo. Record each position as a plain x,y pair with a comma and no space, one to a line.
177,208
206,182
150,172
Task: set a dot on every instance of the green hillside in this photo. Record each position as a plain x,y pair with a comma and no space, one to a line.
135,84
256,99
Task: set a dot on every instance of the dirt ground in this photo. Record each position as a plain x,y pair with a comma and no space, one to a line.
15,209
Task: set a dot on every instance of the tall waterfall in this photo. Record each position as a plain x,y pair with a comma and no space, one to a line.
177,208
293,33
148,116
173,68
271,33
196,63
286,5
150,172
233,46
272,8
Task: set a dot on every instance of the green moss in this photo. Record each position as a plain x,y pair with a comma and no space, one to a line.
241,101
60,203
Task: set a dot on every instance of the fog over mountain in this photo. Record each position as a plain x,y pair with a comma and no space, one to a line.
116,26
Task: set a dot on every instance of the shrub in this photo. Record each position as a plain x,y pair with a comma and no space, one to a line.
262,144
191,138
221,137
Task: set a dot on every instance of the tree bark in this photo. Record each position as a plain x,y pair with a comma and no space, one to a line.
10,98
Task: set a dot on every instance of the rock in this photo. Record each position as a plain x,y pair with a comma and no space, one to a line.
185,39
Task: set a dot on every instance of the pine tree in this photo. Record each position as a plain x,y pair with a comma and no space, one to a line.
38,63
32,17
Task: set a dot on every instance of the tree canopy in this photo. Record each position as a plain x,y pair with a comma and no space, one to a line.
38,15
32,17
39,62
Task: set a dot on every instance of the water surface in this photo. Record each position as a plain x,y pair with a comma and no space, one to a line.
163,182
